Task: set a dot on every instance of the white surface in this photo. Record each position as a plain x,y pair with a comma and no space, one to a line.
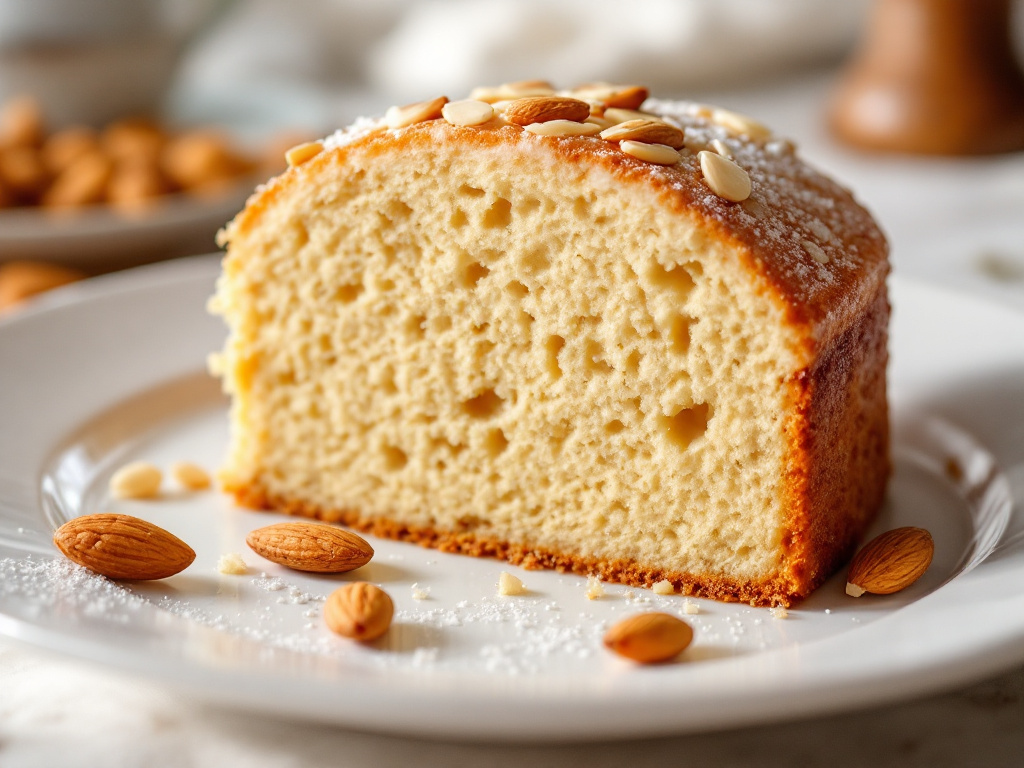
465,663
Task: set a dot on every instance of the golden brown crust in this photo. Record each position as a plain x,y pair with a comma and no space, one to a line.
767,592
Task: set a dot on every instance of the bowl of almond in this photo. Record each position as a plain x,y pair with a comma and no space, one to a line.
128,192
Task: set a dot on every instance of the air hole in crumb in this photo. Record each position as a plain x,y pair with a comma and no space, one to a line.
593,358
458,219
387,380
633,362
469,191
496,442
580,207
301,235
346,294
614,426
676,279
394,458
484,405
398,210
679,333
499,214
536,261
687,424
474,273
416,326
517,289
440,324
553,346
386,284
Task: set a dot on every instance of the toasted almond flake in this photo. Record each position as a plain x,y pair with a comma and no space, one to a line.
659,154
815,251
600,122
232,564
400,117
721,148
820,230
663,587
190,476
619,115
299,154
517,90
724,177
612,95
468,112
509,585
562,128
646,131
734,122
595,588
137,480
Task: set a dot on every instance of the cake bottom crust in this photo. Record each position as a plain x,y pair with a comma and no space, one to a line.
775,591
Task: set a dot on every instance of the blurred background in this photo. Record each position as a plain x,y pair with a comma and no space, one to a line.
131,130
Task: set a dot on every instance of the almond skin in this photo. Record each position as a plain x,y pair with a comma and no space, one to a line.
542,109
314,547
359,611
647,131
890,562
123,547
649,638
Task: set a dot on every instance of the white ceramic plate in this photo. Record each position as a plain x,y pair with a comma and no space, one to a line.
111,370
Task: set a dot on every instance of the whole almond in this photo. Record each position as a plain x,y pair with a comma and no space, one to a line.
123,547
360,611
314,547
646,131
649,637
890,562
541,109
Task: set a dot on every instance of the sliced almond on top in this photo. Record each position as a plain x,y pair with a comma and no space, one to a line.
646,131
734,122
620,96
541,109
400,117
467,112
618,115
516,90
726,179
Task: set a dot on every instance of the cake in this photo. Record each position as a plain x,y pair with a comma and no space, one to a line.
585,330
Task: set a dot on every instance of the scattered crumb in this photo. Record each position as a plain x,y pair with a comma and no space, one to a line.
663,587
595,588
690,609
420,593
190,476
232,563
509,585
778,612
